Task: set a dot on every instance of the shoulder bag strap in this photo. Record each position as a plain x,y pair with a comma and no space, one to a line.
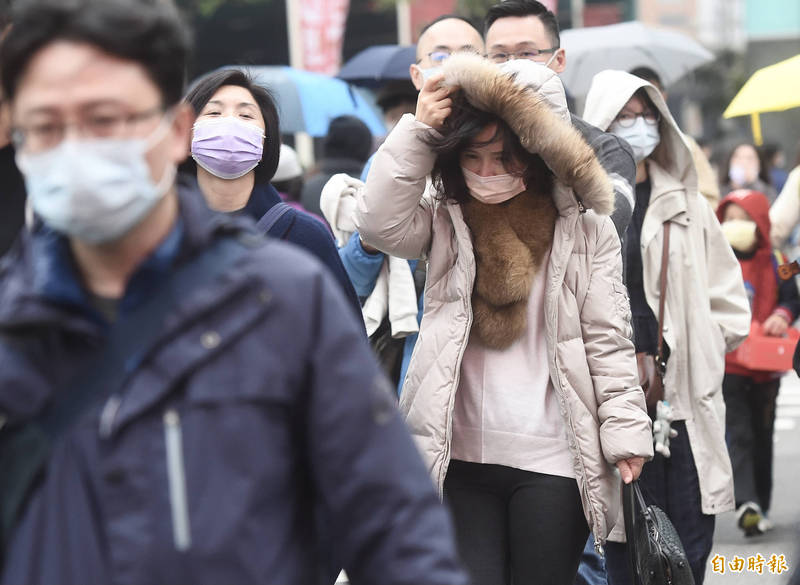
662,298
271,217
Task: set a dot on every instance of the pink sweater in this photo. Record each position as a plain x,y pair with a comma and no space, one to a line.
506,410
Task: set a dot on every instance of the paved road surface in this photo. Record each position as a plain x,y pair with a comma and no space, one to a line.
785,514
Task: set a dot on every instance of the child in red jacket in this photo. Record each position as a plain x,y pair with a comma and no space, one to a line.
750,395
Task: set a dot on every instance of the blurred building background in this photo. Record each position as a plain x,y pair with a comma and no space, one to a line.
744,34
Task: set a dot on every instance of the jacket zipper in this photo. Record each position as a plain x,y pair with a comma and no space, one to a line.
176,476
598,548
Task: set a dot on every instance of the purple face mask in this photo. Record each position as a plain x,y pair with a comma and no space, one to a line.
227,147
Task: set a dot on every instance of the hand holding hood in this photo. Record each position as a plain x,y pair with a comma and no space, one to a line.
531,100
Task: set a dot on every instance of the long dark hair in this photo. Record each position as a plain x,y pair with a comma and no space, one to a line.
458,133
763,167
203,90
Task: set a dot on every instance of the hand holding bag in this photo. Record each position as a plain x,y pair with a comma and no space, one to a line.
655,551
652,368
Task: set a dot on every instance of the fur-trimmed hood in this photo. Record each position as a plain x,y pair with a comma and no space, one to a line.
530,101
608,94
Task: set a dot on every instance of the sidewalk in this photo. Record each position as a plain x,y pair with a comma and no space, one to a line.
785,514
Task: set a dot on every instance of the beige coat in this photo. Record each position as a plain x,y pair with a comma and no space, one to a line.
590,355
707,312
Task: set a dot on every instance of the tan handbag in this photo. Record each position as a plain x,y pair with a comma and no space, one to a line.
653,367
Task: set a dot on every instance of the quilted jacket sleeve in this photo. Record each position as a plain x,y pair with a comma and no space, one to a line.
392,214
625,428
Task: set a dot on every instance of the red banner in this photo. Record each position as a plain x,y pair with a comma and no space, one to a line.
322,24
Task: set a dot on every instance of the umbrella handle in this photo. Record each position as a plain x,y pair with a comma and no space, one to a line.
755,124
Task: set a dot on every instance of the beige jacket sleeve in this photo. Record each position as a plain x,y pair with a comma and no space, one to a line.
625,427
785,212
392,215
730,309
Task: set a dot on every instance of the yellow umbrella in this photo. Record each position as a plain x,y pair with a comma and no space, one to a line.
772,89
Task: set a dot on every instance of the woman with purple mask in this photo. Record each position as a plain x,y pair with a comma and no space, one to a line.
235,152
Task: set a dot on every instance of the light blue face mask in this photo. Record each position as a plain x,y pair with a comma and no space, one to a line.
94,190
642,137
429,72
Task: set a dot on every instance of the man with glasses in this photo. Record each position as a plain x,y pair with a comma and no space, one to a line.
180,398
438,40
526,29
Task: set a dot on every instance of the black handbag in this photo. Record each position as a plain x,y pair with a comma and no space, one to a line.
655,551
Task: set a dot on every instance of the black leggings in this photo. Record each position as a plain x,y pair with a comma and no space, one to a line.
516,527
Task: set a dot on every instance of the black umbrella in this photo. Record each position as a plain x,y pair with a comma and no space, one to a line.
378,64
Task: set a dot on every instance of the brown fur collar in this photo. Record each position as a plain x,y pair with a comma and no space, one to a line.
510,241
540,131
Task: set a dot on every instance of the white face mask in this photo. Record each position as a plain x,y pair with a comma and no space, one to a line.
740,233
495,189
642,137
742,174
95,190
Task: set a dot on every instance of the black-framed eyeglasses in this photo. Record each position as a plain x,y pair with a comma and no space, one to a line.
529,54
628,119
43,136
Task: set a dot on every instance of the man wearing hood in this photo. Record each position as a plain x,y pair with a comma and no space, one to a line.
750,395
706,311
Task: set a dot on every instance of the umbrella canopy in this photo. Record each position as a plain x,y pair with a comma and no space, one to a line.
772,89
625,46
307,102
378,64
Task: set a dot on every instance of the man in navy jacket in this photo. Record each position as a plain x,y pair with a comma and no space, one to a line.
256,410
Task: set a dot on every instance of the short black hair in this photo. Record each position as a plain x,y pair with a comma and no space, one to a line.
396,92
458,133
148,32
524,8
648,74
204,89
348,137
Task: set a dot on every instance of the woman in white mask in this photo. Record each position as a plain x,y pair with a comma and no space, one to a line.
746,169
706,312
522,391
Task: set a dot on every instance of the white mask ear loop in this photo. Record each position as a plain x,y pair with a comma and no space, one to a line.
553,56
167,118
171,170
